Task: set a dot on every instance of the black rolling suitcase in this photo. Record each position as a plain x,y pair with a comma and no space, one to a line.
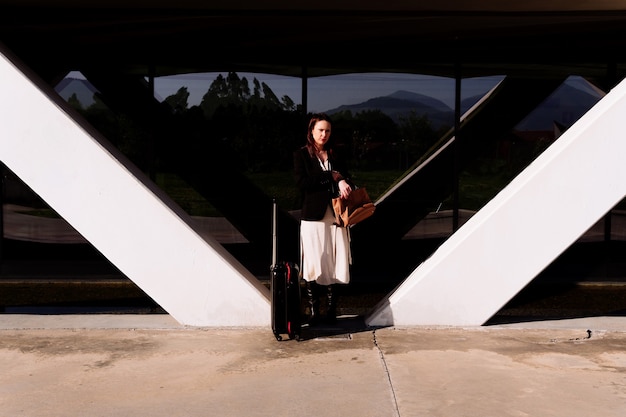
285,289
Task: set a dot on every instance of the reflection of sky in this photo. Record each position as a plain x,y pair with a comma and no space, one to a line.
326,93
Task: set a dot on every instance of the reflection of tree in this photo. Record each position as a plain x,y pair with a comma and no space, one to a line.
121,130
234,91
378,142
260,129
263,130
254,123
179,101
75,102
417,136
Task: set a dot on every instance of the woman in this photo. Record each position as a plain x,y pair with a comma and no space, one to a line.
325,247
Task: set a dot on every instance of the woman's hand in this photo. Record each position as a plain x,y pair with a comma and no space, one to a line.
344,189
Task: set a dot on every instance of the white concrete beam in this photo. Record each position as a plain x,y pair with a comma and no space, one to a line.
498,251
120,211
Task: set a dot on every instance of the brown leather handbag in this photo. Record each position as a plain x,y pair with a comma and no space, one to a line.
354,209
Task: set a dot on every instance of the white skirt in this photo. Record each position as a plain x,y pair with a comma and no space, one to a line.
325,251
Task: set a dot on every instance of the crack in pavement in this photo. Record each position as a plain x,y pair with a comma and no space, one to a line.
384,362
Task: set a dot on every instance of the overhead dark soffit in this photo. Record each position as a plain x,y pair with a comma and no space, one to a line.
325,37
348,5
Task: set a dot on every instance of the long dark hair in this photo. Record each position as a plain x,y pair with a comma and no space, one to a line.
310,142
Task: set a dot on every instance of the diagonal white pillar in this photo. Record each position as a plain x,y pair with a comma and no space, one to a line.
522,230
116,208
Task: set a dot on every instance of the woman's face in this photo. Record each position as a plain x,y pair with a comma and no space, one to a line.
321,133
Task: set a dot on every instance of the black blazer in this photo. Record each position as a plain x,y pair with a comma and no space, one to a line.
316,185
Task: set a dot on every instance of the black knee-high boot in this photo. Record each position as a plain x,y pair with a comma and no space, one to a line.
313,301
331,311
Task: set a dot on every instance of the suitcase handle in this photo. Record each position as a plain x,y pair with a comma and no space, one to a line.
274,232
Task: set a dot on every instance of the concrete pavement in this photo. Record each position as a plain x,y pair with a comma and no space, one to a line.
149,365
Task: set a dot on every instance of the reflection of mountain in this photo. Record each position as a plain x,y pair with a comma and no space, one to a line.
565,106
82,88
401,104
